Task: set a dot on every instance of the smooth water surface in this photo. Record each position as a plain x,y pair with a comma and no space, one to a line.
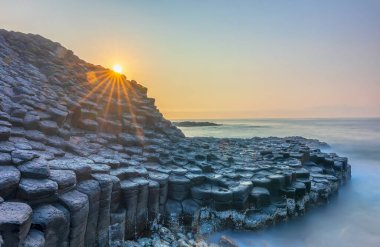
352,218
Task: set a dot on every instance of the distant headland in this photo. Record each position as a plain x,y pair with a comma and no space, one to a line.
195,124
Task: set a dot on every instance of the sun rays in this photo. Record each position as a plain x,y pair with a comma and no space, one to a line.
114,96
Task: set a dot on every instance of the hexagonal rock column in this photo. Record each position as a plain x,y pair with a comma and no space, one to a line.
129,191
92,190
190,210
173,212
117,225
277,182
153,200
260,197
202,194
162,180
241,194
106,183
142,204
221,198
77,204
53,223
179,187
15,221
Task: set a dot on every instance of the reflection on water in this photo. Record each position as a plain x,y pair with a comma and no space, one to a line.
351,219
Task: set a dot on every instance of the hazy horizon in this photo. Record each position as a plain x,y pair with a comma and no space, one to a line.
276,118
225,59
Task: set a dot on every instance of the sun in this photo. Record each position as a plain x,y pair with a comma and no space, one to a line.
117,68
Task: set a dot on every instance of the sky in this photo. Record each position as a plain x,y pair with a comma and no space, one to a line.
204,59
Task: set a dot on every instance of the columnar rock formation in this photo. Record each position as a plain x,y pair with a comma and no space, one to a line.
86,159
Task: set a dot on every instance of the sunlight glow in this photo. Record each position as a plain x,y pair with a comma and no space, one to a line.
117,68
116,94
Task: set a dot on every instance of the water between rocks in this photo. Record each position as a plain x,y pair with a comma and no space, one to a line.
352,218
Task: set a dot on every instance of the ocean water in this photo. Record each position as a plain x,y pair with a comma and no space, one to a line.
353,217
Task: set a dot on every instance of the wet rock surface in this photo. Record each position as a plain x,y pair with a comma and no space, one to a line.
87,159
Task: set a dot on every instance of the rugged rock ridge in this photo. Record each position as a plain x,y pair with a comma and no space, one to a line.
86,159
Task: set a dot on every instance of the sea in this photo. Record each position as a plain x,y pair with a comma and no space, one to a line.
351,219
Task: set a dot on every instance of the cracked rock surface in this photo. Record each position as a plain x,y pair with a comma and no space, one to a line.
87,159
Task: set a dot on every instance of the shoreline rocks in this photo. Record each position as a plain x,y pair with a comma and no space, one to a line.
87,159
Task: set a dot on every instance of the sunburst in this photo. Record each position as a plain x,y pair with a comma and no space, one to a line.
112,87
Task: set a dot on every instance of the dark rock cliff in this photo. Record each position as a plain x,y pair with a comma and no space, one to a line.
86,159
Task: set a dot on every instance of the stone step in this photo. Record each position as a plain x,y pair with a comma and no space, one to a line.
37,168
37,190
66,180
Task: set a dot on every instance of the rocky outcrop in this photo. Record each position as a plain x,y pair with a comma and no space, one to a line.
86,159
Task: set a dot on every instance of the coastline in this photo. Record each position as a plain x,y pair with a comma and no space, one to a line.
77,168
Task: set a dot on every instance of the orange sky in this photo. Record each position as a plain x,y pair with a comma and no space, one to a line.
234,59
